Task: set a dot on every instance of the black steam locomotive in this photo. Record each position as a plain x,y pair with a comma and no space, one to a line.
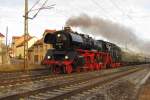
79,52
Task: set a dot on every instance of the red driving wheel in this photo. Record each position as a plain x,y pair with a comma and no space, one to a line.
78,69
56,70
68,69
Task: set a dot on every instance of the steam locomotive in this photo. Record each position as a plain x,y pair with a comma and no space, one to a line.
74,52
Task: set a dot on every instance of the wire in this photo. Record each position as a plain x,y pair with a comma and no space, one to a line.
34,5
122,11
104,10
117,6
47,7
41,8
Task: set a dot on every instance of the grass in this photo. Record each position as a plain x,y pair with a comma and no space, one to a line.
19,67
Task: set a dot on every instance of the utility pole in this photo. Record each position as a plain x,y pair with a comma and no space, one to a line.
26,35
6,35
7,43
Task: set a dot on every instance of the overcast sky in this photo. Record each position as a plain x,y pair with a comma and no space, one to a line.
131,13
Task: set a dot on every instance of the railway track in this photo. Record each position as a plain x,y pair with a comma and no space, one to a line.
15,75
37,77
20,77
28,77
62,87
67,90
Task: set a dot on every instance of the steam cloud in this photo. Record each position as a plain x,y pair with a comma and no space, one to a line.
112,31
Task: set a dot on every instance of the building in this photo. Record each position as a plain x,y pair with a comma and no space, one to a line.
2,49
1,38
37,52
10,52
16,40
20,47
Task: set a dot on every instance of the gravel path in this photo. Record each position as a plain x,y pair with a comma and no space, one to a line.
123,89
144,94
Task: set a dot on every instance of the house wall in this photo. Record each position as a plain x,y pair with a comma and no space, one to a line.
32,41
1,50
31,56
15,42
20,49
45,48
20,52
38,54
38,51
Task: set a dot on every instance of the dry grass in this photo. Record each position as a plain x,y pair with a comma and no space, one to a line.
18,67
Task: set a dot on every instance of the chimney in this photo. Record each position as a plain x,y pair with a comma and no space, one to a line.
67,29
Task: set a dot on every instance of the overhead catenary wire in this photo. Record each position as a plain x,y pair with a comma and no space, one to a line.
47,7
34,6
114,4
39,9
103,9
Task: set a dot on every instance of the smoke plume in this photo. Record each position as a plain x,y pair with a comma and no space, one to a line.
111,31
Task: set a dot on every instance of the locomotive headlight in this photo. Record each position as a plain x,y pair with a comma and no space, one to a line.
48,57
66,57
58,35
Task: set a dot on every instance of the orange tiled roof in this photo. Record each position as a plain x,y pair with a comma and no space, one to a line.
16,37
9,48
39,42
22,43
1,35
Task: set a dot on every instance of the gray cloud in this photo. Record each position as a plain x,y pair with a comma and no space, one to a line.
112,31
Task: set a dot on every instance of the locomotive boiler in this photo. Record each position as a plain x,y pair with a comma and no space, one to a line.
79,52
